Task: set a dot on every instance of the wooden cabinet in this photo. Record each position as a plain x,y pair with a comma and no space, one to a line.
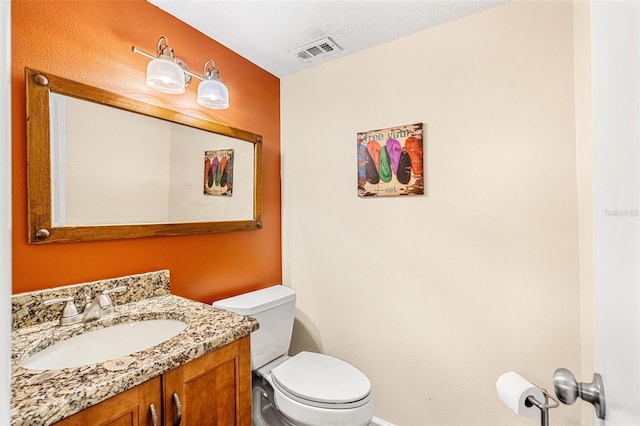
213,390
129,408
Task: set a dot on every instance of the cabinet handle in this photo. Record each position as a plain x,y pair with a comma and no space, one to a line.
176,402
154,415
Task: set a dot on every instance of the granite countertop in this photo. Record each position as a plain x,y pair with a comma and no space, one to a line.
44,397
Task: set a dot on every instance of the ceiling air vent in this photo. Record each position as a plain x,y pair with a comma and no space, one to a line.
319,48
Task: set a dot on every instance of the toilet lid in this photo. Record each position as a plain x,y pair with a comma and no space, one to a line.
322,381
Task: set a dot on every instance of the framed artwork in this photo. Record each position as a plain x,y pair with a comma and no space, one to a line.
218,172
390,161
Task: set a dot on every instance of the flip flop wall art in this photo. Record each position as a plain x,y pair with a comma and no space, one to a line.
390,161
218,172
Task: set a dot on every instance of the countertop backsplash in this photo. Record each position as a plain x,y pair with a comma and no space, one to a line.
27,309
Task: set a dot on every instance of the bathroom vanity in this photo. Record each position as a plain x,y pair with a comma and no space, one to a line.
202,375
208,390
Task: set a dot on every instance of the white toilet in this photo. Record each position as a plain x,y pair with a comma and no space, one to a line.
308,389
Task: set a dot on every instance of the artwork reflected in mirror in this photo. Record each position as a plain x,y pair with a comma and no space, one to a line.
218,172
102,166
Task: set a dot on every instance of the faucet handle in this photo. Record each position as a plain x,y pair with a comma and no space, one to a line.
105,302
70,314
115,290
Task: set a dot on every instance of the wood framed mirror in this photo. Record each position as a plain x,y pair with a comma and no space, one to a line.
102,166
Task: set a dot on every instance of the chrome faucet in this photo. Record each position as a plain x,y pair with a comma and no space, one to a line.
94,308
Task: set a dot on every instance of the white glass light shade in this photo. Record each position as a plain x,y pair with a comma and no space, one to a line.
165,75
213,94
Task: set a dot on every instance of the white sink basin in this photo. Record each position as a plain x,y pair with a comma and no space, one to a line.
104,344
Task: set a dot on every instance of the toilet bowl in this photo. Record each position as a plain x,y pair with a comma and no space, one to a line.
312,389
307,389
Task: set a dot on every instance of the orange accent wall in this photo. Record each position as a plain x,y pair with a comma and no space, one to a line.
90,41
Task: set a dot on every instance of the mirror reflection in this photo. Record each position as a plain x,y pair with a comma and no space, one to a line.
117,168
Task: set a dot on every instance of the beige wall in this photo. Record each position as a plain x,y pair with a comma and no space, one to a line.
434,297
103,150
584,161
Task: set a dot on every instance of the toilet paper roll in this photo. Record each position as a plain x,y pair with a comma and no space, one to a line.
513,390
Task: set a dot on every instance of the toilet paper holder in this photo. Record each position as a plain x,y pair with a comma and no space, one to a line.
543,406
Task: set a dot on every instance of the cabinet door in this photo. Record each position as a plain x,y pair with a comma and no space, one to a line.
213,390
129,408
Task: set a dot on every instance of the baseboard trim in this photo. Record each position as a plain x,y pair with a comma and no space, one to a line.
379,422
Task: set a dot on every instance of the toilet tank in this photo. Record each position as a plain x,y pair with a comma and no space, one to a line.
274,308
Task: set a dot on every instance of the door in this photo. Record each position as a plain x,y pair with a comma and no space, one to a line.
615,39
213,390
5,212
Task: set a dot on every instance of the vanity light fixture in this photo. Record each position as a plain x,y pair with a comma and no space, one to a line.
165,72
169,74
211,92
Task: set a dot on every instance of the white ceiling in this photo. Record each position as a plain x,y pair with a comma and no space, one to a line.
267,31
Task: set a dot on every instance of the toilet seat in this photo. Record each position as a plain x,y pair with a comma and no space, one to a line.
321,381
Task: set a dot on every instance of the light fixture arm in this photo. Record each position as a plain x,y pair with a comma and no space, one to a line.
192,74
210,71
142,52
163,48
